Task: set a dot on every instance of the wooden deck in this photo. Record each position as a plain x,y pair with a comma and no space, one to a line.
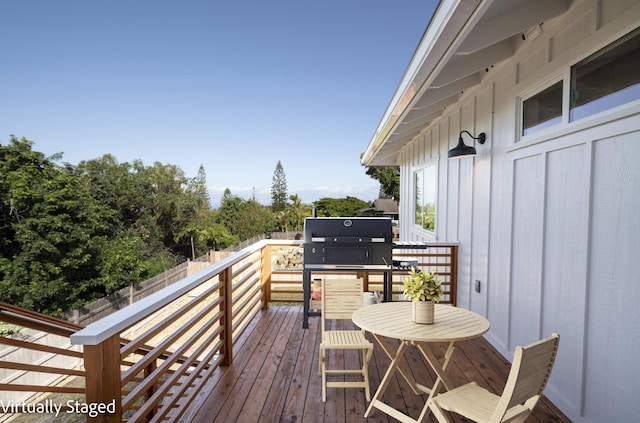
274,378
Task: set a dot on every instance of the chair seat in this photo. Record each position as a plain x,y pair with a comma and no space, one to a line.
470,401
348,339
474,403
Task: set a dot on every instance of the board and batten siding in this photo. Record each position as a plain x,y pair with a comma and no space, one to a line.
550,226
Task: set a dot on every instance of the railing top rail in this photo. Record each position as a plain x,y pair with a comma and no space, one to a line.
119,321
280,242
33,320
434,244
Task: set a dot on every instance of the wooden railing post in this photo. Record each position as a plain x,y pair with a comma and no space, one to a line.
266,276
454,274
226,277
102,367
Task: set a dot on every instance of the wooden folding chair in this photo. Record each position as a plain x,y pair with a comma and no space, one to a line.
340,298
527,379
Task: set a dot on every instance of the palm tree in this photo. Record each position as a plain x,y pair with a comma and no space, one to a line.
297,211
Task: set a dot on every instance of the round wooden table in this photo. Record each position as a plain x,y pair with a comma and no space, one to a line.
393,320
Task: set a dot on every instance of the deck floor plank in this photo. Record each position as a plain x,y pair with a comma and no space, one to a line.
245,398
226,385
284,381
305,370
274,377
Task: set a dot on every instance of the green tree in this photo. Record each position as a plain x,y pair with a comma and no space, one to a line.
20,169
218,236
206,233
128,189
111,183
195,229
120,261
340,207
198,186
157,202
389,178
296,212
257,220
279,189
53,231
70,234
244,218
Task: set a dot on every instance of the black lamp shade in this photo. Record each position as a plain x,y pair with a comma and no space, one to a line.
461,150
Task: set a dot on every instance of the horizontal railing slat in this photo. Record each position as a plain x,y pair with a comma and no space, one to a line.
39,368
39,347
40,388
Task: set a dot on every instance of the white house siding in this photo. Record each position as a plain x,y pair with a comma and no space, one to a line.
550,226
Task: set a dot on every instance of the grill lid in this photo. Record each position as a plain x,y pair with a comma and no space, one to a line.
347,230
347,242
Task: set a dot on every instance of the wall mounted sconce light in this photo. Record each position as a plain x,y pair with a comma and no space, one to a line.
461,151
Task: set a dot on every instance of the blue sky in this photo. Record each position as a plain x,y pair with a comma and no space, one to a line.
234,86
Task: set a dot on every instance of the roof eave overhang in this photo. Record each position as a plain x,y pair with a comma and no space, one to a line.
462,41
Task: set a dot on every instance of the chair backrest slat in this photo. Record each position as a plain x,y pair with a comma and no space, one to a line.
529,375
340,298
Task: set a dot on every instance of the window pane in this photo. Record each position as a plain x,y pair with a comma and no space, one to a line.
542,110
425,184
606,79
418,200
429,205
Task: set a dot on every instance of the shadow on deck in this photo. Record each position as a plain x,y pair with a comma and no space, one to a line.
274,378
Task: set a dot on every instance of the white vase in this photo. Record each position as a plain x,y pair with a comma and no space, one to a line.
422,312
368,298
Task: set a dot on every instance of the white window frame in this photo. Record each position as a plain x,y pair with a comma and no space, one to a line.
532,92
616,98
567,126
432,164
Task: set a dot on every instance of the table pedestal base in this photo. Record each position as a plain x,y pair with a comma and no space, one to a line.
398,365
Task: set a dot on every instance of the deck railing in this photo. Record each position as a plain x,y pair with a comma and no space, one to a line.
36,358
178,338
440,258
152,359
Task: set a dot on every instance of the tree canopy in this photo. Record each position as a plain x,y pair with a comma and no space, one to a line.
389,178
340,207
72,234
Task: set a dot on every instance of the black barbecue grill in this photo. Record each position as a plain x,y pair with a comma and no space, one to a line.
356,243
